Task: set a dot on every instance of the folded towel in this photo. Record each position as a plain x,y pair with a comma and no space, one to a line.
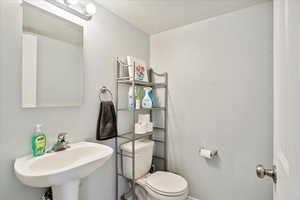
107,121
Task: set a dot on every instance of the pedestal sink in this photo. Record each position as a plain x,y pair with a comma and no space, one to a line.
62,170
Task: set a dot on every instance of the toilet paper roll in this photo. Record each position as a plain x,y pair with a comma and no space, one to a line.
207,153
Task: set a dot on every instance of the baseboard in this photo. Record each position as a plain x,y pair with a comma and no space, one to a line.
191,198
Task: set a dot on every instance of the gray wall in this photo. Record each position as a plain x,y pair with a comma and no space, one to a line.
105,37
220,97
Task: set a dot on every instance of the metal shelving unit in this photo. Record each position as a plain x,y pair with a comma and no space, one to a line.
130,136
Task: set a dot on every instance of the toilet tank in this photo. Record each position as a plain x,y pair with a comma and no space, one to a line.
143,158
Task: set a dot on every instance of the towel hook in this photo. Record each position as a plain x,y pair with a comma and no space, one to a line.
105,90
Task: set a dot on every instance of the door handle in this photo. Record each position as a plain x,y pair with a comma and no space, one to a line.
261,172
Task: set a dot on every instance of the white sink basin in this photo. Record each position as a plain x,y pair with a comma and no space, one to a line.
63,170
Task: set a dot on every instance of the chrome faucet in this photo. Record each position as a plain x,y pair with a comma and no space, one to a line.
61,144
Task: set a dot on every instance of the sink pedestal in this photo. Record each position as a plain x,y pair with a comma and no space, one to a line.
67,191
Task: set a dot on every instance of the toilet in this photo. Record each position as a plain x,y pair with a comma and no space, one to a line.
160,185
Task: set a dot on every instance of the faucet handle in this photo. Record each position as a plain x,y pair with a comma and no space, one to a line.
62,137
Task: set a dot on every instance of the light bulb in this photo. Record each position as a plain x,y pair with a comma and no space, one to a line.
90,9
71,2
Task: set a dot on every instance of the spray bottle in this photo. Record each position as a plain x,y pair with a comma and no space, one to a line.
147,100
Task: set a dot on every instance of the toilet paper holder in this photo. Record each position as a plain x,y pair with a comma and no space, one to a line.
208,154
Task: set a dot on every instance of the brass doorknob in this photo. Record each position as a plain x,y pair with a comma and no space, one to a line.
261,172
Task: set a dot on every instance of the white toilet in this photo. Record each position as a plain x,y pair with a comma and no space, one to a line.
157,186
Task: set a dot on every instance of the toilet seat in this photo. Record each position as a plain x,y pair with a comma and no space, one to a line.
165,185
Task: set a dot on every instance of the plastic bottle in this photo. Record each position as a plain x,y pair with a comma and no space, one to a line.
130,98
138,98
147,100
38,142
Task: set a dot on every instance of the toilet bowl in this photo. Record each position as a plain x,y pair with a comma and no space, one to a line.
160,185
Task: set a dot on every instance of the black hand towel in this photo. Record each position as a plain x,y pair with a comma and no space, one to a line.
107,121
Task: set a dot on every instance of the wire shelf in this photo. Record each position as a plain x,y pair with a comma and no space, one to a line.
131,136
142,109
123,81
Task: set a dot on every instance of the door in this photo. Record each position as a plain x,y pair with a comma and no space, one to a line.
287,99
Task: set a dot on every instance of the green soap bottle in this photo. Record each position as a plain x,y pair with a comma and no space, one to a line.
38,142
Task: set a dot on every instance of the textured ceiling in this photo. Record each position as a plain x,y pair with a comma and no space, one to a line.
154,16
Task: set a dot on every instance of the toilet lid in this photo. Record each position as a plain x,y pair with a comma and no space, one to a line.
166,183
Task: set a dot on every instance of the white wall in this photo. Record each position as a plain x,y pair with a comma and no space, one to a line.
105,37
286,98
220,97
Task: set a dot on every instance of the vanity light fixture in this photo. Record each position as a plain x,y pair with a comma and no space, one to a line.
90,9
71,2
80,8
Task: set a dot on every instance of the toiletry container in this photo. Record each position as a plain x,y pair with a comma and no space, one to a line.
130,99
147,100
143,125
38,142
138,98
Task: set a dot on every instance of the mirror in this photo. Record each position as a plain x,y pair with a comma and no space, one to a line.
52,67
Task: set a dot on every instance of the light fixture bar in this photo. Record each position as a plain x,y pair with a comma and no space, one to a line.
69,9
